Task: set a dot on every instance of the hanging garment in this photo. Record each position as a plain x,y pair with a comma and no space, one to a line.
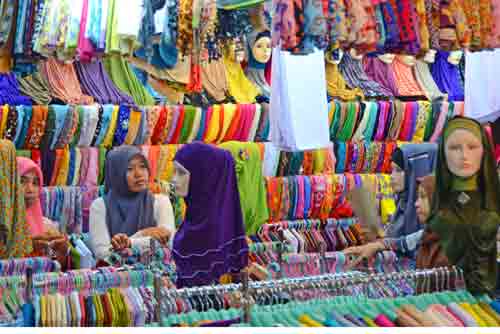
482,101
15,240
251,186
426,81
380,72
214,219
355,76
447,77
290,100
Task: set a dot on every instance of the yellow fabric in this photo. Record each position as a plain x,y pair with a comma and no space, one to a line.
161,168
387,203
336,85
62,177
133,127
369,322
196,125
229,112
108,139
52,311
467,307
308,321
490,322
5,114
43,311
319,161
240,88
169,170
424,109
213,125
78,160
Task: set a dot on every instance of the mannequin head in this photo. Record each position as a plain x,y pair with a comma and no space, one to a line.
455,57
408,60
181,180
430,56
387,58
259,48
354,53
464,151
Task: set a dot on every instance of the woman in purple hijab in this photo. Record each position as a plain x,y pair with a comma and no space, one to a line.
211,241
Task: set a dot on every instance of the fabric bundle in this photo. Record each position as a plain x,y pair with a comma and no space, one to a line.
35,87
63,82
96,83
9,91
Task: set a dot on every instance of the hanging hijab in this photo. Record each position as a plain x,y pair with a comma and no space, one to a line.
255,70
416,160
126,211
34,215
211,241
15,241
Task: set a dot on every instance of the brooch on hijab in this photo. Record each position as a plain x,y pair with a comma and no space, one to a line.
463,198
244,155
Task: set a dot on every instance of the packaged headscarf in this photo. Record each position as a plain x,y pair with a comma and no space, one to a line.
126,211
211,241
15,240
416,160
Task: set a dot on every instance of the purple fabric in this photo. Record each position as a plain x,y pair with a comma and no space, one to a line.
95,82
222,323
9,91
126,211
380,72
447,77
211,241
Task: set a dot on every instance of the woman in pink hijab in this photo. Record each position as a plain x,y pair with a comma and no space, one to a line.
31,181
44,232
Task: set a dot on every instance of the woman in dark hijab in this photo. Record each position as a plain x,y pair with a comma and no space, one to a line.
464,219
129,214
409,163
211,241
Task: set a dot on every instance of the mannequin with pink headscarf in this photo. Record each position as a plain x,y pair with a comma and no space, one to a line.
44,232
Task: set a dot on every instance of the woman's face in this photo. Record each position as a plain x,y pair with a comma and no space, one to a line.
181,179
31,188
422,205
137,175
464,153
397,178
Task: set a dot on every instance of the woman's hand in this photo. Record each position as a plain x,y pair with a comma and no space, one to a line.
161,234
364,252
121,241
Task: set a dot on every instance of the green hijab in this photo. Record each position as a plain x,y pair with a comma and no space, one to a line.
253,195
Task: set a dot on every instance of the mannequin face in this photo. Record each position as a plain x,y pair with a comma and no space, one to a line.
355,54
31,188
397,178
261,50
430,56
181,179
409,60
464,153
455,57
137,175
387,58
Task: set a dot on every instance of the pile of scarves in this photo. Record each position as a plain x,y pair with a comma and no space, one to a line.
56,126
416,121
405,26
